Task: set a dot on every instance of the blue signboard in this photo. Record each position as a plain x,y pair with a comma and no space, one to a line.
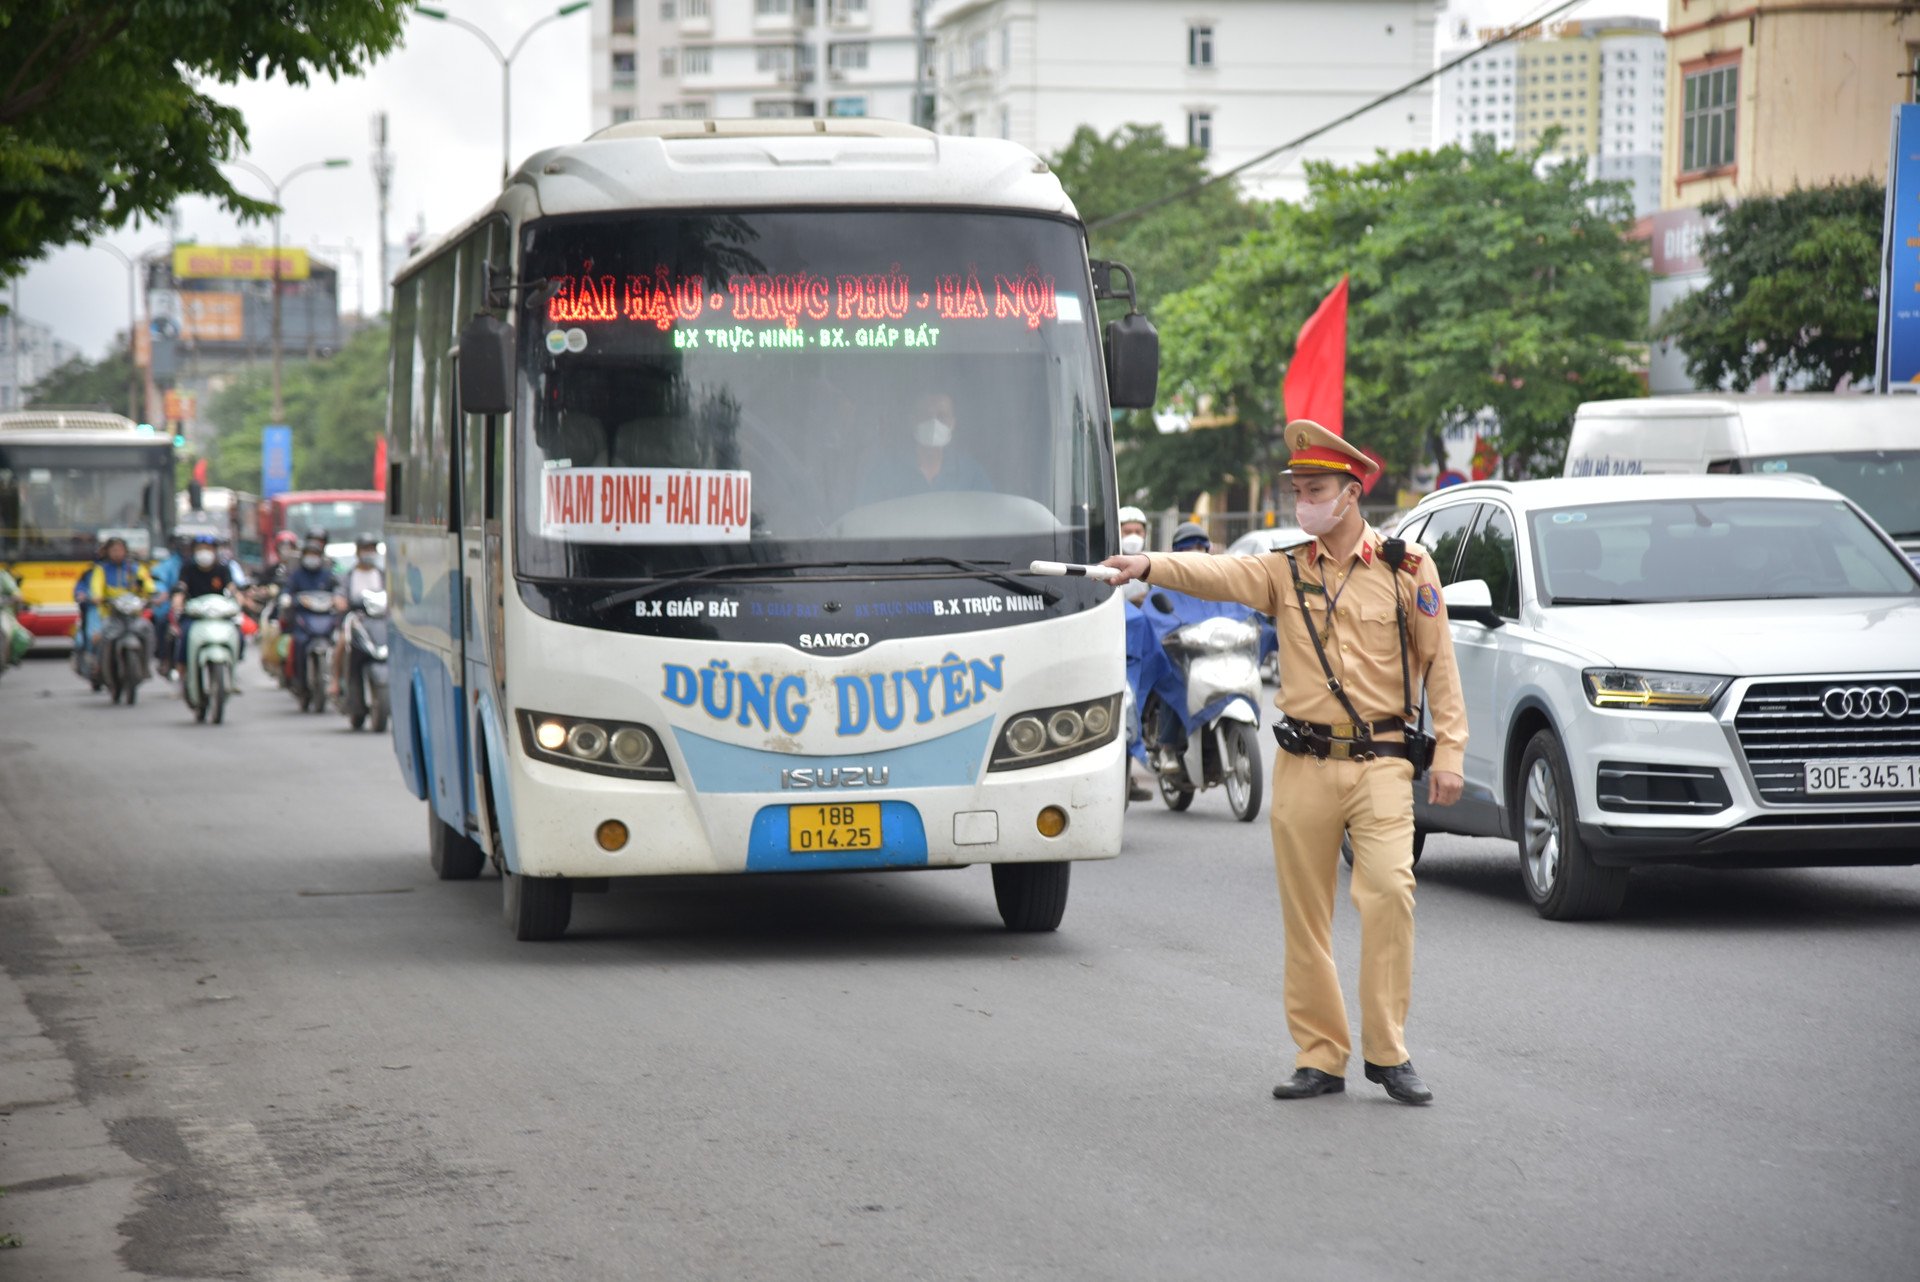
276,460
1900,270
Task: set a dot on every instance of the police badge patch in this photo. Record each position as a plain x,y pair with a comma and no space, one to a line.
1428,600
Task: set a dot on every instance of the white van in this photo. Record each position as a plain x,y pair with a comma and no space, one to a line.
1867,447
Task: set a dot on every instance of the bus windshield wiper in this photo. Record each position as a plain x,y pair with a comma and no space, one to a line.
997,571
673,578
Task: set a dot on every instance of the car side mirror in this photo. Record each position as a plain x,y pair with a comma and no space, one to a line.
486,366
1133,362
1471,600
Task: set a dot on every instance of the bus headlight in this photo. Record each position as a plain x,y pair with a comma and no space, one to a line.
1051,734
594,744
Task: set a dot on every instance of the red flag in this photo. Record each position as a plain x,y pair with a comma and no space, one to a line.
200,471
380,464
1317,377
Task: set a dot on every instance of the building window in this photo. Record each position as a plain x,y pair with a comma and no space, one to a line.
846,106
1913,73
775,108
977,52
696,60
1006,122
666,10
623,71
621,115
772,8
1199,46
669,61
1200,130
693,111
851,56
1708,120
775,58
693,8
622,17
966,128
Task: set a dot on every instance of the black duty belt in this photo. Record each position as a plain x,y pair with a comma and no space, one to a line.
1340,742
1349,729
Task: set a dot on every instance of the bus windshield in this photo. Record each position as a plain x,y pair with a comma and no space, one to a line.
57,502
846,387
341,520
1884,482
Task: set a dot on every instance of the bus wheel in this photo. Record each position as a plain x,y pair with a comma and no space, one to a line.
537,908
454,855
1031,897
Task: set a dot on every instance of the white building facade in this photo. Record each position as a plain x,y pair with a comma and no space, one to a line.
700,59
1600,81
28,353
1235,77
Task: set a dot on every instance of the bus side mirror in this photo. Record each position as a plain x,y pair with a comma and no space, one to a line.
1133,362
486,366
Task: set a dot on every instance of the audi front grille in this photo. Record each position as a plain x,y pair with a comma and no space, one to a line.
1783,725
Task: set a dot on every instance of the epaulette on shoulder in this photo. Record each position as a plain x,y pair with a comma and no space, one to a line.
1411,564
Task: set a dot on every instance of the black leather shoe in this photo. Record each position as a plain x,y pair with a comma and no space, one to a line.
1309,1082
1401,1082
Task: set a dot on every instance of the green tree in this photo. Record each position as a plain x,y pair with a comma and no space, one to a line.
1792,293
1480,279
337,408
84,382
103,118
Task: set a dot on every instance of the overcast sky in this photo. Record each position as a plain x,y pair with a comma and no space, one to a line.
441,92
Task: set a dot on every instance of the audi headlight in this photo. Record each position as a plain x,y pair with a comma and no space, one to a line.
1669,691
1051,734
594,744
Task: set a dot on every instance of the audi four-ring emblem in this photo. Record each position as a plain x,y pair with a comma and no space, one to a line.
1866,703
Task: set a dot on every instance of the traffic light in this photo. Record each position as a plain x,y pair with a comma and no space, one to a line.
179,440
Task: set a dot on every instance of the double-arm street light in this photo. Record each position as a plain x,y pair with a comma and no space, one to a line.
279,411
133,367
506,66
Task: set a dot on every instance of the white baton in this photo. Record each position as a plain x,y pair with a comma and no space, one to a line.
1104,573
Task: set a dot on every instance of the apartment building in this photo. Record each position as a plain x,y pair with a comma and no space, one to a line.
1233,77
1600,81
696,59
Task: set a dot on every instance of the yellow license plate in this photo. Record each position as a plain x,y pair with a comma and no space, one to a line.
848,826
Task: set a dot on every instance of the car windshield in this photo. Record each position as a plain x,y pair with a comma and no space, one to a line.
711,391
1886,483
1712,549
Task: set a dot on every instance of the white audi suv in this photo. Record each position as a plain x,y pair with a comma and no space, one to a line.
1698,669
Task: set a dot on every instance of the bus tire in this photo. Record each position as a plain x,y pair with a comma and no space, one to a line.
1031,897
454,855
537,908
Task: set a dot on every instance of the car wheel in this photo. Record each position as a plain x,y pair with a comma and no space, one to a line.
1562,880
1031,897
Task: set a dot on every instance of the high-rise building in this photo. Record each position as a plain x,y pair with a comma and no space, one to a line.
1600,81
699,59
1235,78
28,353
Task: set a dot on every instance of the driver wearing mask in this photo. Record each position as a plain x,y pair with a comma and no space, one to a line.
365,576
930,461
204,574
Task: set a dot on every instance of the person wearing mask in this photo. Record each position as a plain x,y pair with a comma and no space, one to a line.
1350,749
204,574
1133,541
113,574
364,576
165,576
926,460
313,574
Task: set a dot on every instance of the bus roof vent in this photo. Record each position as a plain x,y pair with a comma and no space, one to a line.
44,420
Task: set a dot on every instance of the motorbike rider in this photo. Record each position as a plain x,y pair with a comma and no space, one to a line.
204,574
312,574
165,575
114,574
365,575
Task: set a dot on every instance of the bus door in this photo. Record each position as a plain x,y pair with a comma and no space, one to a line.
474,528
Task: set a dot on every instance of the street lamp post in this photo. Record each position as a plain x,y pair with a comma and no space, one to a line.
279,411
133,368
506,67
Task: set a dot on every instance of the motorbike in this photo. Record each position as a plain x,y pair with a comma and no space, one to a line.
363,695
213,650
311,623
15,640
1194,669
123,651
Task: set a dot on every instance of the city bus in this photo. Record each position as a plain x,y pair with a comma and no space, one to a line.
68,479
340,515
718,456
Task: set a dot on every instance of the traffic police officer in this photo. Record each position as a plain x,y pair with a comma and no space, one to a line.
1345,606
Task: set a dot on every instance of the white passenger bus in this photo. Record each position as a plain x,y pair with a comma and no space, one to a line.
718,454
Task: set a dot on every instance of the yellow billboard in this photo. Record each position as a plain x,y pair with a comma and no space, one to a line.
207,317
245,262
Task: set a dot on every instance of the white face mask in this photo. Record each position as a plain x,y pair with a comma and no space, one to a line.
203,558
933,433
1321,518
366,560
310,562
1132,544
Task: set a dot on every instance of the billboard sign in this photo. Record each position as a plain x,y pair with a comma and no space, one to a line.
1679,236
244,262
1899,349
276,460
212,317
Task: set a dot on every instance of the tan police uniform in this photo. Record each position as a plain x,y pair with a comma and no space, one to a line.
1352,608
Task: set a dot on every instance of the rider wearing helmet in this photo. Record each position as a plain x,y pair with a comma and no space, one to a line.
364,576
313,574
1133,541
1191,536
204,574
114,574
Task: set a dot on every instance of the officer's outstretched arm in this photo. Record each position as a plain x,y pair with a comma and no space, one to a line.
1245,579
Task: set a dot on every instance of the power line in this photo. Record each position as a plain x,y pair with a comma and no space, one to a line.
1511,33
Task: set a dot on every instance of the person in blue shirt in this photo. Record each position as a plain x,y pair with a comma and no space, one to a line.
114,574
313,574
930,462
165,575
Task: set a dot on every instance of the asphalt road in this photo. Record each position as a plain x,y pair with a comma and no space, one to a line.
245,1034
